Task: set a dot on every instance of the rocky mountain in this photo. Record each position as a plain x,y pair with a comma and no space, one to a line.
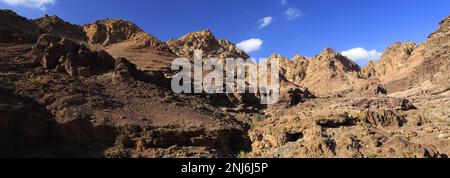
15,28
56,25
60,99
211,46
416,68
328,73
99,90
122,38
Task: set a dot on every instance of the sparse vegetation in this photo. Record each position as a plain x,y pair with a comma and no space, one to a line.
243,154
260,118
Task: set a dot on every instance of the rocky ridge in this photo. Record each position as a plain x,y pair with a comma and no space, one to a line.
417,68
211,46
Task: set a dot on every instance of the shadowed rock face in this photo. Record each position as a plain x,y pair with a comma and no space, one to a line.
55,52
16,29
29,130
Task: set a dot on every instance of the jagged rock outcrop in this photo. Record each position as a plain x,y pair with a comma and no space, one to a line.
414,69
113,31
346,128
327,74
52,51
392,62
17,29
57,26
211,46
331,73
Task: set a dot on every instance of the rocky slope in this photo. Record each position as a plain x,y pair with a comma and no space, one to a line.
211,46
60,99
56,25
355,128
122,38
15,28
327,74
416,68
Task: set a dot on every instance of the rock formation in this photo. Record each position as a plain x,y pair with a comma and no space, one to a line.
327,74
52,51
57,26
417,68
211,46
122,38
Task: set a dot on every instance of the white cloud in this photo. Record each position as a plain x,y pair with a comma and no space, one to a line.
250,45
293,13
283,2
265,21
359,53
38,4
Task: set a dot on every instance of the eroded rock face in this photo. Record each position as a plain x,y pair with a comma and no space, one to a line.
419,68
341,128
53,51
211,46
327,74
110,31
121,38
392,62
57,26
114,31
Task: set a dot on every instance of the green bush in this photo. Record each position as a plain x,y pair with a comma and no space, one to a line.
260,118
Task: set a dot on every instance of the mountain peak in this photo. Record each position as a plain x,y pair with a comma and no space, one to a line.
445,20
55,25
444,29
197,35
15,28
329,51
204,40
110,31
276,56
9,12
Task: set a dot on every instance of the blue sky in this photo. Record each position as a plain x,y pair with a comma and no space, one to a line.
287,27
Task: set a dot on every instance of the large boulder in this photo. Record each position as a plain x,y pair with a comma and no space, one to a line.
55,52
